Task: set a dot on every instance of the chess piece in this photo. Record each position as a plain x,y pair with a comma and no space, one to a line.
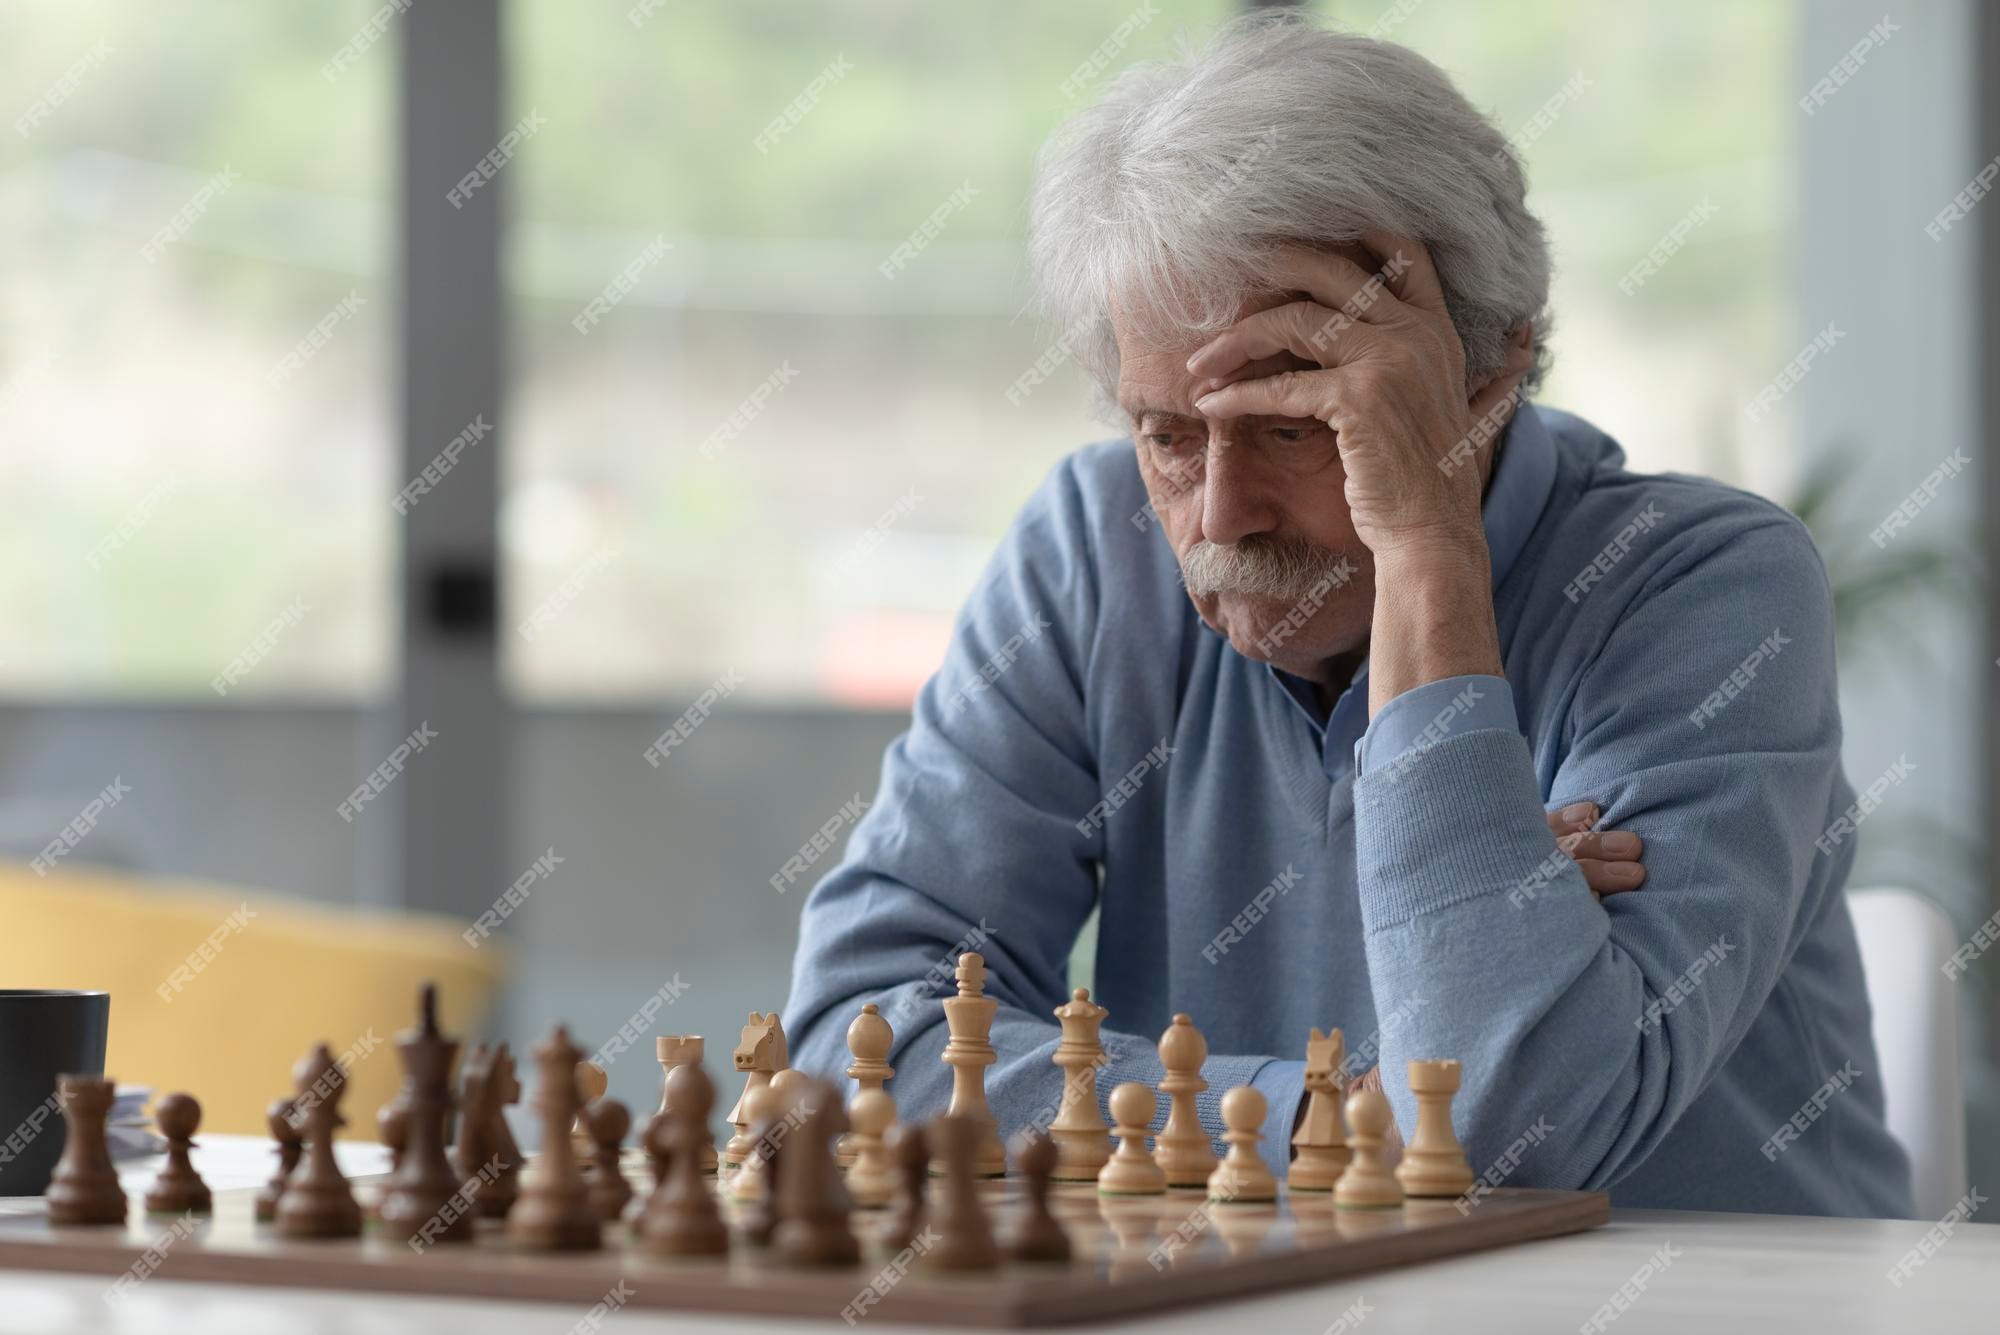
84,1188
1367,1183
909,1150
868,1039
1083,1142
178,1189
969,1016
657,1141
610,1193
1182,1149
1131,1171
278,1119
683,1050
1320,1141
502,1156
423,1181
553,1211
469,1155
812,1203
761,1053
1242,1176
871,1181
1434,1162
592,1081
1037,1235
768,1121
392,1128
682,1218
317,1202
964,1234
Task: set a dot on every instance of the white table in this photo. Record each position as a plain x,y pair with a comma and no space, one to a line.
1732,1272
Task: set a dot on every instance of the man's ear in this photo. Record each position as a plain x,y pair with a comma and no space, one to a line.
1520,360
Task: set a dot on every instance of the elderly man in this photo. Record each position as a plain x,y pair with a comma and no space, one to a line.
1301,685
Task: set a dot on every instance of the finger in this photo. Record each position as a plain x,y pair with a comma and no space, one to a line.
1576,816
1611,878
1306,329
1286,394
1339,284
1609,846
1406,265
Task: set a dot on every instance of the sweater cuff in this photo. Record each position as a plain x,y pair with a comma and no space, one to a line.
1410,725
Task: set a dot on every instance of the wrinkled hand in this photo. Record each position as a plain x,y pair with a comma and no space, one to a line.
1608,859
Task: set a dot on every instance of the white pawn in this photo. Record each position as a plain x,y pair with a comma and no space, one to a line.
1367,1183
873,1181
1131,1170
1242,1176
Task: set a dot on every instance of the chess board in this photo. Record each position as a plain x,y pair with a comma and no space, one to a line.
1132,1255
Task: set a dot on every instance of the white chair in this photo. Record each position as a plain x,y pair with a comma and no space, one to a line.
1905,940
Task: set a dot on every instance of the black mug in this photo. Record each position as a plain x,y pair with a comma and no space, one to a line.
43,1034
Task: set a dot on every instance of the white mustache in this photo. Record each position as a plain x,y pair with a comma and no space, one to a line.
1263,566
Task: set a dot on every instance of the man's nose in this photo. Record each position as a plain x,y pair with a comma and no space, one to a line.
1235,502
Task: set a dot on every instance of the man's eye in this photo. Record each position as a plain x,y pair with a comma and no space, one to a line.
1292,435
1167,442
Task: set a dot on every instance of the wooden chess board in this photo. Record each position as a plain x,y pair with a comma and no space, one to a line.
1132,1255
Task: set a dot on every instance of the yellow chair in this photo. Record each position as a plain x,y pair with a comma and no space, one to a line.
218,992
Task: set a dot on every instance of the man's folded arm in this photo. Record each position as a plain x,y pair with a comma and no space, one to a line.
1708,726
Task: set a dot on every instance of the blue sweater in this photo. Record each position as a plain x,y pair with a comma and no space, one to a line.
1701,1043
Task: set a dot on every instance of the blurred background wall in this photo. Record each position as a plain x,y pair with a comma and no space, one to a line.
188,192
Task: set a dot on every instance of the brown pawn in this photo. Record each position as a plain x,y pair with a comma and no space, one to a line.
1038,1236
654,1140
278,1118
964,1234
178,1189
84,1188
910,1149
422,1194
682,1218
812,1204
317,1202
608,1121
553,1212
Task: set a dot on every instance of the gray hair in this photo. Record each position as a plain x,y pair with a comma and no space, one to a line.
1176,188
